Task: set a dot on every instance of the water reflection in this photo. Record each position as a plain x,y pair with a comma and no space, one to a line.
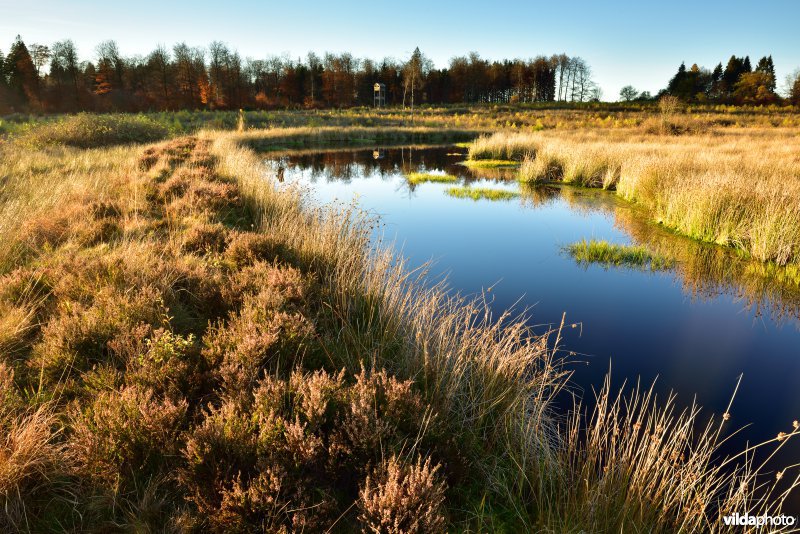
704,271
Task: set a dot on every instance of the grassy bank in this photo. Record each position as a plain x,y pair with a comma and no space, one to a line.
737,189
188,348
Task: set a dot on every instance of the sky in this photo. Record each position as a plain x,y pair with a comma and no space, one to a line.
625,43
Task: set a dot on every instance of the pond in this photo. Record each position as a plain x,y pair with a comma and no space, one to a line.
695,327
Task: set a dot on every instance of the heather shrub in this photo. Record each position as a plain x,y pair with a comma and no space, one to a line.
261,336
270,329
204,238
203,197
247,248
171,153
77,336
295,456
290,286
167,363
173,187
400,498
123,434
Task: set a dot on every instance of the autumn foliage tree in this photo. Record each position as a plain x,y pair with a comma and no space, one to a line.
22,80
53,78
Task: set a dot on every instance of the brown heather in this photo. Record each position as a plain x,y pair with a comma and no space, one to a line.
403,498
187,348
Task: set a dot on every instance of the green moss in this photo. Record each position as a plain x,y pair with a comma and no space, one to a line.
423,177
610,254
478,193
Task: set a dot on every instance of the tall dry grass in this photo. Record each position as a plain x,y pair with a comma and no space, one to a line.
739,189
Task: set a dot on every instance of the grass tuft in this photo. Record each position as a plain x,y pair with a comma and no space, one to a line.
481,193
613,255
489,163
417,178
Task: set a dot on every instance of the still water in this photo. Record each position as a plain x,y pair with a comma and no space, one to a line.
695,328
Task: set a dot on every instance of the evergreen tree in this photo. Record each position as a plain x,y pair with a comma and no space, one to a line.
793,81
730,76
716,80
676,85
766,66
746,65
21,72
4,96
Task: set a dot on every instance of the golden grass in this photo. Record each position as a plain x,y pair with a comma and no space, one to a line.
738,189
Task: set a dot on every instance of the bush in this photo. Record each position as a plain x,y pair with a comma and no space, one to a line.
205,238
87,130
403,498
125,433
295,456
78,336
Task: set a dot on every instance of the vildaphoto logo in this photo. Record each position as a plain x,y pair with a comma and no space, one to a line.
747,520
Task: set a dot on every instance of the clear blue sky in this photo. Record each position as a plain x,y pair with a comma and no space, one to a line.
639,43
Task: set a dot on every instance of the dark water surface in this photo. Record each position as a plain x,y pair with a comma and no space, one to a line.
696,327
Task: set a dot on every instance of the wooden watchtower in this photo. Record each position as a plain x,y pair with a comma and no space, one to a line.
379,95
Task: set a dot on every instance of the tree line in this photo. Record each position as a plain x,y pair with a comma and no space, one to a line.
54,78
736,83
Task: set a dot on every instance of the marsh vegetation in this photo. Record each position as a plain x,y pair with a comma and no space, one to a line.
188,345
737,189
481,193
611,254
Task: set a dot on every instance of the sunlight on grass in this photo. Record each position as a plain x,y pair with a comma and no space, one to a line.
424,177
479,193
489,163
613,255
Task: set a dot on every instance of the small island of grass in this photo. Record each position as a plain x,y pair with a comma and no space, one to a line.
490,163
613,255
478,193
417,178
